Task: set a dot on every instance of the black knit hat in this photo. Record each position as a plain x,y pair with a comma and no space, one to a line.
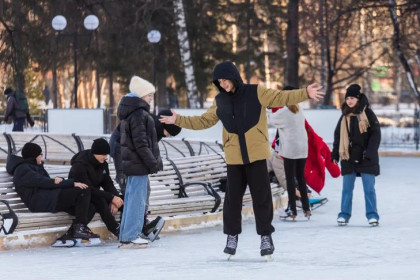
100,147
31,150
172,129
353,91
8,91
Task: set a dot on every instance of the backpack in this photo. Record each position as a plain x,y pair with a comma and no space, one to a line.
22,101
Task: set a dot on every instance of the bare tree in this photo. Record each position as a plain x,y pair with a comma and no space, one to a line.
399,52
184,48
292,44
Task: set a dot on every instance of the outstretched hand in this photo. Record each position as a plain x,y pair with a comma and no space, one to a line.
168,119
314,92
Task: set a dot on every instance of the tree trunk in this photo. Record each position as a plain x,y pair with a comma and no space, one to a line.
111,92
400,54
323,44
292,44
18,58
184,48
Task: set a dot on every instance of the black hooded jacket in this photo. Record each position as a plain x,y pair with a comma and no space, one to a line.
86,169
364,145
139,147
34,185
243,114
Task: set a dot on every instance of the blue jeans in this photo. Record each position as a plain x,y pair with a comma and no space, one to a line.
347,195
18,124
134,206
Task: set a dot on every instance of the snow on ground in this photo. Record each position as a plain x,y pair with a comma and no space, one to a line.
315,249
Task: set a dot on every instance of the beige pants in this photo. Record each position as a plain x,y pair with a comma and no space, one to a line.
275,163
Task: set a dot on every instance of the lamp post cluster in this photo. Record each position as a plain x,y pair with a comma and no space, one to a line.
154,37
59,23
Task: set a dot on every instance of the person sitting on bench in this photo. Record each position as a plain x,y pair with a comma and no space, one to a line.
41,193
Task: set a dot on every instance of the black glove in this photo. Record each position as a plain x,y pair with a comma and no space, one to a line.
154,169
31,122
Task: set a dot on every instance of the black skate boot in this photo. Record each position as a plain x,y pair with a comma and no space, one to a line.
84,235
116,231
267,246
152,229
231,244
66,240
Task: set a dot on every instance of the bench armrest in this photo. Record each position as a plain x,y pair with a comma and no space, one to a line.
208,188
10,227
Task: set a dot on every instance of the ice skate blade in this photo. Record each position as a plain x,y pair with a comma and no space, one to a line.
342,224
268,258
229,256
154,234
87,242
64,243
374,224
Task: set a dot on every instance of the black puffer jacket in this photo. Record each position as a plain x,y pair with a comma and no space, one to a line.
34,185
364,145
86,169
139,148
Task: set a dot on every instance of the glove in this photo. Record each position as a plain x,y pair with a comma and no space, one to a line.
31,122
154,169
5,118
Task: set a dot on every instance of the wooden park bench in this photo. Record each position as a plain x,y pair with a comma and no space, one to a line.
170,196
211,168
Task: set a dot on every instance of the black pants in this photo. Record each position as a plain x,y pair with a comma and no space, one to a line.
102,207
76,202
296,168
256,176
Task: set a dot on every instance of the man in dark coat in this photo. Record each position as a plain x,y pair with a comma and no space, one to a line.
140,157
356,143
13,110
90,167
40,193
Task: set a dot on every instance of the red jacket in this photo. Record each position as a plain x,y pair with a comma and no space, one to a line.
319,158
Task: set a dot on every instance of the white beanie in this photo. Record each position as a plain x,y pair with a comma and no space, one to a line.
140,86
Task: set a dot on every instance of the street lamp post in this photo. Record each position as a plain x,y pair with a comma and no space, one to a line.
59,23
154,38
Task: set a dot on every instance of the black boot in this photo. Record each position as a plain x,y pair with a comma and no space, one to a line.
152,229
116,231
231,244
82,231
267,246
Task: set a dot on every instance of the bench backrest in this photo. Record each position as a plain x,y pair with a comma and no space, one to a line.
208,168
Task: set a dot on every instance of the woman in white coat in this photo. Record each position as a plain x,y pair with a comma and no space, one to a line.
290,123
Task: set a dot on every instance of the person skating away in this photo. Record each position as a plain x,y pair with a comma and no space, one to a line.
356,143
91,168
13,110
293,142
241,108
140,157
40,193
151,229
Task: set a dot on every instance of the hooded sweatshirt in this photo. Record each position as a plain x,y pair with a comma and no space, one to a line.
242,113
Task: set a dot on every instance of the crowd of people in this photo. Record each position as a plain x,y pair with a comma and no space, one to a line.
298,159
